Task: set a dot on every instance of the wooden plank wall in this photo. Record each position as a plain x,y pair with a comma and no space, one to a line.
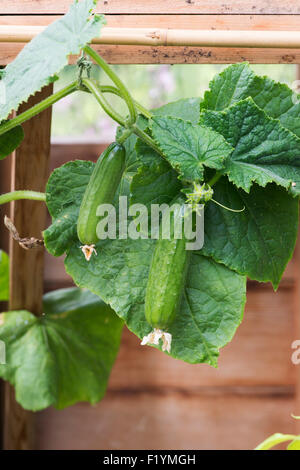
154,401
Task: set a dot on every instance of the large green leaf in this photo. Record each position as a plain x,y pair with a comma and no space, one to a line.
238,82
4,276
258,242
66,355
264,151
64,193
47,54
210,311
188,147
10,141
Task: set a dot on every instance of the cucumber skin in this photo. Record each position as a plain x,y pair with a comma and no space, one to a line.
101,189
166,281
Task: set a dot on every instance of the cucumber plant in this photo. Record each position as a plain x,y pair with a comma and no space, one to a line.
237,148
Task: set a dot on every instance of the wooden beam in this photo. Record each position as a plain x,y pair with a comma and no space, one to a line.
175,55
158,36
29,171
183,7
226,22
181,55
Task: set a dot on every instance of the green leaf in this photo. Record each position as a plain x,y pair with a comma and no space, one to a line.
10,141
274,440
63,357
64,192
4,276
238,82
187,109
189,147
257,242
47,54
135,147
156,182
264,151
210,311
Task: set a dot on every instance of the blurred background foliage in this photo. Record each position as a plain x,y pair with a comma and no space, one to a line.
79,118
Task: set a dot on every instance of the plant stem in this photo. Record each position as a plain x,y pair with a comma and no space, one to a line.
147,139
116,80
16,195
115,91
214,179
92,86
38,108
110,89
127,133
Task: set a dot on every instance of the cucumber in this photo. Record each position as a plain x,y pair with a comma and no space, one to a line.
101,189
166,280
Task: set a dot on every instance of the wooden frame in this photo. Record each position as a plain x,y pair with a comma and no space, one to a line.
261,15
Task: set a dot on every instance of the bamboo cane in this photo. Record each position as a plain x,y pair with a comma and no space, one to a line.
171,37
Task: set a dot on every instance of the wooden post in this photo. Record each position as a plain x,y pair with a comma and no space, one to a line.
297,332
297,314
29,171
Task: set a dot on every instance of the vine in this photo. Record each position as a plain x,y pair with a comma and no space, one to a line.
235,152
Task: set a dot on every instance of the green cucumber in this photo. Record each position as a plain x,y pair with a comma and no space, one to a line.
101,189
166,280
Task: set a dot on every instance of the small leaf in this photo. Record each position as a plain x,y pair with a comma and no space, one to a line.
66,355
257,242
188,147
4,276
47,54
238,82
10,141
264,151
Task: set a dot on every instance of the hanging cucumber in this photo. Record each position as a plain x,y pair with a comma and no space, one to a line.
101,189
166,281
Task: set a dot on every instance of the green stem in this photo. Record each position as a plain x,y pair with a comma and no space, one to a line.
143,110
16,195
115,91
110,89
38,108
214,179
127,133
147,139
92,86
116,80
